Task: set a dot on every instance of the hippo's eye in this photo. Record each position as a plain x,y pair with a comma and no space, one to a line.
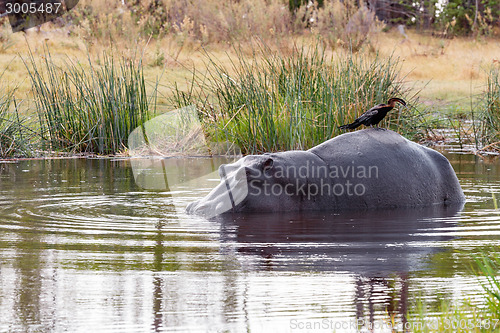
268,164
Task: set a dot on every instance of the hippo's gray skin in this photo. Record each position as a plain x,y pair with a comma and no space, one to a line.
367,169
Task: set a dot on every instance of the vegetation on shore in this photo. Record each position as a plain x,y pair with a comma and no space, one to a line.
345,33
263,99
15,135
491,107
178,35
91,108
268,102
488,267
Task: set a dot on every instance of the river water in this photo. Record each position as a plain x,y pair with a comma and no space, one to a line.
84,248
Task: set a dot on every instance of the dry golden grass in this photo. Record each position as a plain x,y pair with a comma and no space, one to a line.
447,70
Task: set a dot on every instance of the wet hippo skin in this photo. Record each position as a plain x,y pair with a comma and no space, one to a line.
366,169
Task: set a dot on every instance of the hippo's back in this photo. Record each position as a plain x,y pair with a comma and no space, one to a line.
393,171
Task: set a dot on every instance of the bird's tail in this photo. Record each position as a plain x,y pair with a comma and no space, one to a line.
350,126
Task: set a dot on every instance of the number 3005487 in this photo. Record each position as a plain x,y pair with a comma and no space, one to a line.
33,7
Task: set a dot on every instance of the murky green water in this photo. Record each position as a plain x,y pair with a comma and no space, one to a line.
83,247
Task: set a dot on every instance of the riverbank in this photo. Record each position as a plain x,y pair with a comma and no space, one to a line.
445,80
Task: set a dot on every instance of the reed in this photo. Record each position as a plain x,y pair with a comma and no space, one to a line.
273,102
16,138
491,115
488,267
89,108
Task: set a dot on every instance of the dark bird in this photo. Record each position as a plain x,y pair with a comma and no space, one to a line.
374,115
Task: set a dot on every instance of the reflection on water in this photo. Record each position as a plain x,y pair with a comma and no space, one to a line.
376,243
83,247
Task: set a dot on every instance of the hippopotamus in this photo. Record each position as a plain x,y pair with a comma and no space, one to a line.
366,169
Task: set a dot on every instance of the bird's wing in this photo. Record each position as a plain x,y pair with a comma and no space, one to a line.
370,113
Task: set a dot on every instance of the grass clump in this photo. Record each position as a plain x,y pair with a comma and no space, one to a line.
88,109
272,102
488,267
15,136
491,114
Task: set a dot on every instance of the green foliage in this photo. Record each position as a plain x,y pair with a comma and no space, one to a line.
460,17
272,102
488,267
89,109
452,17
491,115
15,136
455,15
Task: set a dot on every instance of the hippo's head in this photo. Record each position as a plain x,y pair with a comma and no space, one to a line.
262,183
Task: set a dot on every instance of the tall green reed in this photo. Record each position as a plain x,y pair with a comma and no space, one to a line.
491,115
89,108
16,136
271,102
488,266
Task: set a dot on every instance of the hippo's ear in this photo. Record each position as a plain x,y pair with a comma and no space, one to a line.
268,164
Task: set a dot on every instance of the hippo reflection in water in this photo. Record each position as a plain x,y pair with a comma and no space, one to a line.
365,169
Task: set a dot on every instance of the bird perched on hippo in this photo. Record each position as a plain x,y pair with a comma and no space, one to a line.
366,169
374,115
